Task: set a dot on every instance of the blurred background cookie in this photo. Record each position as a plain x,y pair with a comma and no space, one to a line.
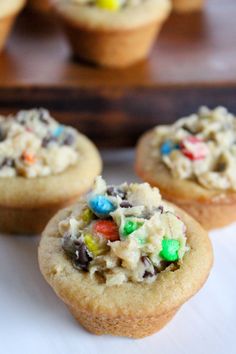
187,5
112,33
9,10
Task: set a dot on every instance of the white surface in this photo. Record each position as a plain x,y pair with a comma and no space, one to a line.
34,321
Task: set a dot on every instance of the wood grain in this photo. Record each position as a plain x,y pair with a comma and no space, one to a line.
193,63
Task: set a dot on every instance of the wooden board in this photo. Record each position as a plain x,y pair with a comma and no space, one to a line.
193,63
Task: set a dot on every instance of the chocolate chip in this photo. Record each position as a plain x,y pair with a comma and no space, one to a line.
125,204
68,245
162,265
146,261
69,139
147,274
152,269
82,258
150,274
47,140
8,162
43,116
147,214
76,250
21,119
189,130
220,167
114,192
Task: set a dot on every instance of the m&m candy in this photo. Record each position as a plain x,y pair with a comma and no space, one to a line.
58,131
167,147
93,245
111,5
28,158
131,226
194,148
87,215
101,205
170,248
107,229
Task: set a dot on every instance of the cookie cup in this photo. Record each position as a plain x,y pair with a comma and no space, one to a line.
187,5
133,310
112,39
8,13
26,204
212,208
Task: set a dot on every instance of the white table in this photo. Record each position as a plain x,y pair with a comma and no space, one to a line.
34,321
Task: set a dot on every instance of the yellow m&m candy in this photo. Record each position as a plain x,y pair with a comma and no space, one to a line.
93,245
111,5
87,215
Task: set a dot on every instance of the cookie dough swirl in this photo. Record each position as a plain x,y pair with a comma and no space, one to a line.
123,233
33,144
201,147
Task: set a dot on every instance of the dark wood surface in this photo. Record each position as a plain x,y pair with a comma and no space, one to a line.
193,63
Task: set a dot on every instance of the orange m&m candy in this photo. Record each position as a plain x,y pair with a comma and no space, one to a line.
29,158
107,229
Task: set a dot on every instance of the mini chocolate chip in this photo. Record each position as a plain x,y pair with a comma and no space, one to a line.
161,209
111,191
21,120
82,258
47,140
220,167
162,265
69,139
68,245
147,274
146,261
114,192
43,116
125,204
150,274
8,162
189,130
77,243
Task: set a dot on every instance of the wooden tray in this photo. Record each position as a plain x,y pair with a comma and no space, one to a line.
193,63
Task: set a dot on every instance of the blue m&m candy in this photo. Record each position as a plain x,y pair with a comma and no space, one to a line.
101,205
167,147
58,131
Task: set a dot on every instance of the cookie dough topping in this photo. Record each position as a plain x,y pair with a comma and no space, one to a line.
33,144
123,233
201,147
108,5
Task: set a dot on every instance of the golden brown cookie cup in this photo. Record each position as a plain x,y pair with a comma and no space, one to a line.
183,6
212,208
26,204
7,21
111,46
133,310
112,49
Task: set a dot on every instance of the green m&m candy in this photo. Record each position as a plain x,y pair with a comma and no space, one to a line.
170,250
111,5
131,226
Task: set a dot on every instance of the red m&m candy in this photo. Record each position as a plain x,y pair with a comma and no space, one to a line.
107,229
194,148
